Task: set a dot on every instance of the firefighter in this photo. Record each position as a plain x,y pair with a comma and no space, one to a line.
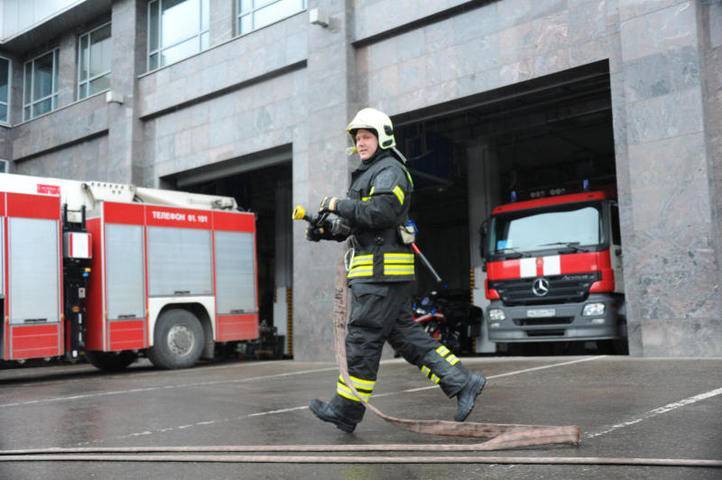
381,278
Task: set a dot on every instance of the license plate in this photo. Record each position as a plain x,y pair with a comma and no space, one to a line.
541,313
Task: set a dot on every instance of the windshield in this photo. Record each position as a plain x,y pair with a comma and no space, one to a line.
554,228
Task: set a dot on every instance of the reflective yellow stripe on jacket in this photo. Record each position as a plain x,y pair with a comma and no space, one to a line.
361,266
398,263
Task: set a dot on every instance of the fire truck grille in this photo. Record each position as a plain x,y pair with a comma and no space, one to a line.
561,289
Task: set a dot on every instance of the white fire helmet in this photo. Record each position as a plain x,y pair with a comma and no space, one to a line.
372,119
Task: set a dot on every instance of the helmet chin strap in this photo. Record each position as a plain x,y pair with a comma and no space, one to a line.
398,154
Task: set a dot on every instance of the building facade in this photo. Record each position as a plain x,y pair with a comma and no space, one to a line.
180,93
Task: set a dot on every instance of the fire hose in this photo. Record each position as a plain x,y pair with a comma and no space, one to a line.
500,436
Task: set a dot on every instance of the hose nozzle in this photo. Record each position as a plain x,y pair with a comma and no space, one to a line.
299,213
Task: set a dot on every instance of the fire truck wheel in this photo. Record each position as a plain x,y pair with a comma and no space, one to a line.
178,340
111,361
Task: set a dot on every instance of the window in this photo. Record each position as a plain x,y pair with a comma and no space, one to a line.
549,229
41,85
4,90
177,29
94,61
254,14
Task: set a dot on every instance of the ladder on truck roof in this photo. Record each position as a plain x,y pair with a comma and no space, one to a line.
77,194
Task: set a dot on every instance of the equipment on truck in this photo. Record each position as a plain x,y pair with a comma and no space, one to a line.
554,271
116,271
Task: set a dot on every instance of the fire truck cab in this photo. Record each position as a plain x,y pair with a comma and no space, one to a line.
554,270
117,271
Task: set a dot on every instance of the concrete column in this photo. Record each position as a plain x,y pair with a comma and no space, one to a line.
283,271
669,232
125,163
321,168
709,19
67,70
483,185
222,21
5,143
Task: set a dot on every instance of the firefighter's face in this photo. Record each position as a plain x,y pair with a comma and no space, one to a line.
366,143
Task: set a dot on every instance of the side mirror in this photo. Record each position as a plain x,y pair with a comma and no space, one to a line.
483,236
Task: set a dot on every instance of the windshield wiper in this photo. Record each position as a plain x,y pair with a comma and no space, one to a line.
508,252
573,246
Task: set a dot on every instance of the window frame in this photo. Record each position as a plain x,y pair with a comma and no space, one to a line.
161,48
10,88
54,92
86,83
240,13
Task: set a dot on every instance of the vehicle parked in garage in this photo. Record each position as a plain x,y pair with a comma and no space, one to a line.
554,270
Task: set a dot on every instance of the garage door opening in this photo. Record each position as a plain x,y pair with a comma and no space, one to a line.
551,136
261,186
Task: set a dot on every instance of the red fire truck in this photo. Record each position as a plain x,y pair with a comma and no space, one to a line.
116,271
554,270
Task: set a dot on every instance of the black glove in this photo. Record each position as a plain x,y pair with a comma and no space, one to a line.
330,229
340,230
314,234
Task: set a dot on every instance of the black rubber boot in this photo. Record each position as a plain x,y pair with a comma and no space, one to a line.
327,413
467,396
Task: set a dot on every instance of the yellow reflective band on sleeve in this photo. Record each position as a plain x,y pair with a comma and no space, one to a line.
371,192
365,199
442,350
425,370
399,194
453,359
434,378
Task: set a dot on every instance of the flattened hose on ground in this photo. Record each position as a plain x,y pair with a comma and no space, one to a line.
136,457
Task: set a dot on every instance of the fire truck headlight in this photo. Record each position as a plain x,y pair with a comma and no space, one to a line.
593,309
496,315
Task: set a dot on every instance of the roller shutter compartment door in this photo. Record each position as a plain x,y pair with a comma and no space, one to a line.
125,275
235,273
179,261
34,282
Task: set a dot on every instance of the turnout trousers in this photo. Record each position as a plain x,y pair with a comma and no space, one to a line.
382,312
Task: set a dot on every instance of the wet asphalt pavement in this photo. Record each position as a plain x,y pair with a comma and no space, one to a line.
627,407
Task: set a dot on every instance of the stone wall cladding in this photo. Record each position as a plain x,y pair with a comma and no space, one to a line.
241,60
487,47
70,124
230,126
672,258
83,161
